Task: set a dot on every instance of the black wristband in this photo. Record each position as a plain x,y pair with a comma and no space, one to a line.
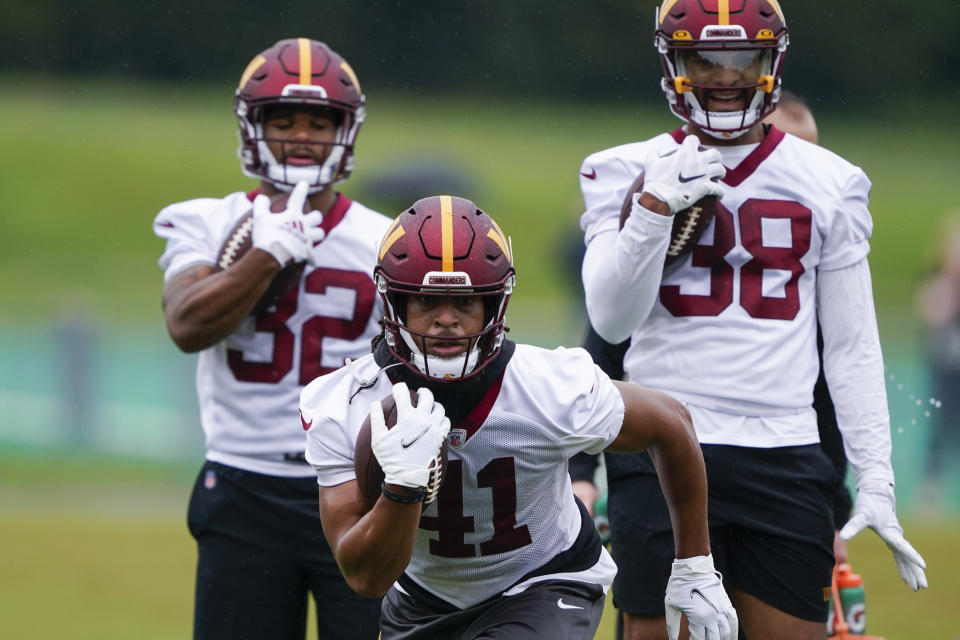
403,498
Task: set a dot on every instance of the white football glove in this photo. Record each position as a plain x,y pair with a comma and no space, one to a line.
406,451
695,590
681,176
875,507
288,236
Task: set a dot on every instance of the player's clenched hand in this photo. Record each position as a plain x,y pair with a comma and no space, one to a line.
681,176
875,507
406,451
695,590
288,236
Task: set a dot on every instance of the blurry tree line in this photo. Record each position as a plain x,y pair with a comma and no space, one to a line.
841,52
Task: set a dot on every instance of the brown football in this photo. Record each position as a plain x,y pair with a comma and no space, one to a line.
239,240
688,225
365,464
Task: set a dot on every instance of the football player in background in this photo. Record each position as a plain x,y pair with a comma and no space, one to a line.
793,116
253,511
504,550
730,329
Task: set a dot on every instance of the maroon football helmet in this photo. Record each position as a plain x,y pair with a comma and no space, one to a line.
445,246
299,72
697,38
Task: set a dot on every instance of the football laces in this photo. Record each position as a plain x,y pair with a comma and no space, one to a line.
690,219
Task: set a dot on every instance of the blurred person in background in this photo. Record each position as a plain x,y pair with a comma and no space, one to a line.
730,328
938,307
265,322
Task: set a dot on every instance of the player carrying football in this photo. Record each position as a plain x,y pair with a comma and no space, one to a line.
504,550
730,328
253,510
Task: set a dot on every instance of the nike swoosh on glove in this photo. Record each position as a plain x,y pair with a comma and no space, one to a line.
695,590
288,236
406,451
875,507
680,177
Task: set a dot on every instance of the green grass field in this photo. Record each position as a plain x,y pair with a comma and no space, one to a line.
98,548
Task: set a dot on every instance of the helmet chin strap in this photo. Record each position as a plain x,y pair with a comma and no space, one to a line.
441,368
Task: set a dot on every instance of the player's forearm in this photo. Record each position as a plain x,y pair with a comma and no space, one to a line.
853,366
378,548
658,423
622,273
203,307
683,479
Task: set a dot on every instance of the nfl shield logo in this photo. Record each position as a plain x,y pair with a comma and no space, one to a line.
210,479
457,437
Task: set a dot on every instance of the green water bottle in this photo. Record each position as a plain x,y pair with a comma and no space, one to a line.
852,601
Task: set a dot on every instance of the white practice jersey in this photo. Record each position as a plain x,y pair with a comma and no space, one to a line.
506,507
733,330
249,384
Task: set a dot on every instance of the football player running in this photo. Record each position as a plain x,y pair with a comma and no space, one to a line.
503,549
253,510
730,329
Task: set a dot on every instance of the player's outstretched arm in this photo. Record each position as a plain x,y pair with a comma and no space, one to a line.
373,548
656,422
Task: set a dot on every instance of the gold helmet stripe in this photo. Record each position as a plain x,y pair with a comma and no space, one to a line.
255,64
723,6
496,234
776,7
347,69
306,62
394,233
446,233
665,9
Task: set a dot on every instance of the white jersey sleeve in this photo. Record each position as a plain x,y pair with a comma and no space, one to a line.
853,366
194,230
605,177
621,268
577,402
333,412
846,241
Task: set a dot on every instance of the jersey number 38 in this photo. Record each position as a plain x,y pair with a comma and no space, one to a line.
751,214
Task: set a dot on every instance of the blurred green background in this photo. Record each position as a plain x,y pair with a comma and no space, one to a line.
108,113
